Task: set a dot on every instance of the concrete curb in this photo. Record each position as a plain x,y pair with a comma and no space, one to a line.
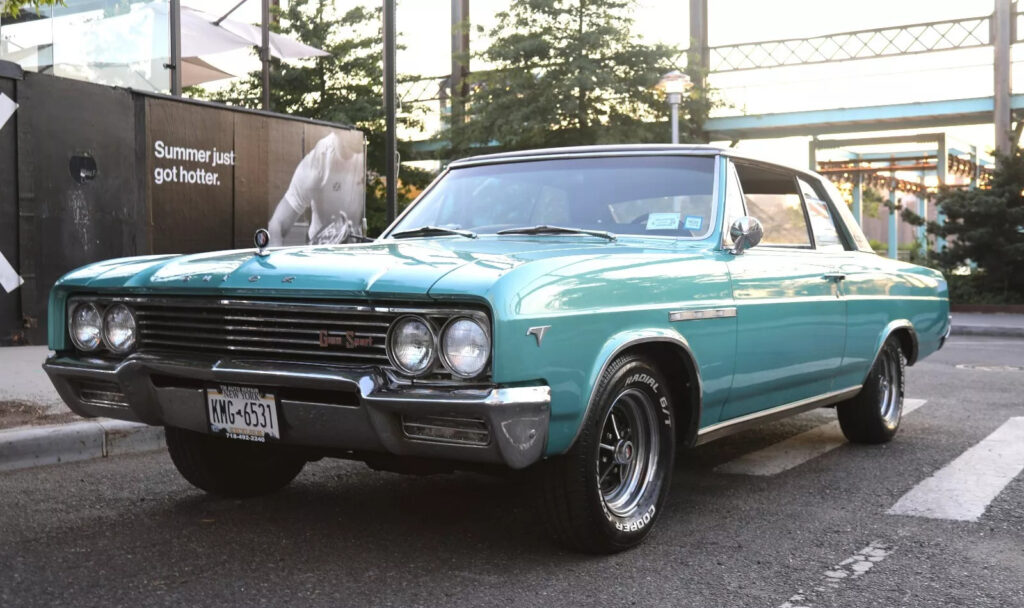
987,330
27,447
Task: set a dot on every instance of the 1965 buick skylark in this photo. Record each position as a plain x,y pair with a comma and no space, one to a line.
582,312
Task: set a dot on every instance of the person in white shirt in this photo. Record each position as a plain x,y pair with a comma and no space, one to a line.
329,181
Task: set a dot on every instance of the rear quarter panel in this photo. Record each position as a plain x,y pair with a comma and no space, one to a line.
881,293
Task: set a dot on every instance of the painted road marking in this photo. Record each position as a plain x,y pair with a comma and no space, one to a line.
796,450
851,568
963,489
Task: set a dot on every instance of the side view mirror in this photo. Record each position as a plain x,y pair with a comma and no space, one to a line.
745,232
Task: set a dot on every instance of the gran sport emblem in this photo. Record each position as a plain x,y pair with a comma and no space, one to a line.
345,340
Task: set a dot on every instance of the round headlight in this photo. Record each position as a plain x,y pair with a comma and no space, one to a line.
86,326
119,328
465,347
411,345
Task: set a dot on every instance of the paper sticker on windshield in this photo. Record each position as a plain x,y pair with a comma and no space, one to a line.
693,222
663,221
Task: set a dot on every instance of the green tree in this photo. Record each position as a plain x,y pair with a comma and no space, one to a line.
986,226
571,72
344,87
13,8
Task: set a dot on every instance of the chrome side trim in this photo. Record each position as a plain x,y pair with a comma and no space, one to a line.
735,425
680,342
702,313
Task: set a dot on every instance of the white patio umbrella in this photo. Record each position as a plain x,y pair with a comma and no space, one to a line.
281,46
196,71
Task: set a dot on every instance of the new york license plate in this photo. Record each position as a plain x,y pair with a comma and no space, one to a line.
242,412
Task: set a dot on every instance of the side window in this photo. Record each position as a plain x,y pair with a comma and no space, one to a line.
846,218
826,237
734,208
772,197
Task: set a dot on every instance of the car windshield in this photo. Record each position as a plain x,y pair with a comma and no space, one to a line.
639,195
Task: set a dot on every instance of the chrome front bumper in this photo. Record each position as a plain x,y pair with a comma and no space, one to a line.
330,408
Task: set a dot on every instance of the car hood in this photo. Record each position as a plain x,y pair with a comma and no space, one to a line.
443,267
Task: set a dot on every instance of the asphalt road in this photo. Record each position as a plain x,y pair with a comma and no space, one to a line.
129,532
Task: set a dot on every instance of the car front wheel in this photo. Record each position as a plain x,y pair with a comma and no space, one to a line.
231,468
605,494
873,416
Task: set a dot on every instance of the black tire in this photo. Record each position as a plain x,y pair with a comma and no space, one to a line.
584,507
873,416
228,467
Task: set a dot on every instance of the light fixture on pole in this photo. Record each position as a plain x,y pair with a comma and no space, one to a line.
674,85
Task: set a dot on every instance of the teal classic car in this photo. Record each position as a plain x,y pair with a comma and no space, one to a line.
580,312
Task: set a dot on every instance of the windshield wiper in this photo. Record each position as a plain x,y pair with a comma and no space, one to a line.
431,230
544,229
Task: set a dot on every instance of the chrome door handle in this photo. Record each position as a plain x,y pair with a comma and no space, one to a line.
835,276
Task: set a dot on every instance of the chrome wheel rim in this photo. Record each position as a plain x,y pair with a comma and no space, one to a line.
889,398
627,454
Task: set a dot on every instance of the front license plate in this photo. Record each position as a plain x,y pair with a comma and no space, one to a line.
242,412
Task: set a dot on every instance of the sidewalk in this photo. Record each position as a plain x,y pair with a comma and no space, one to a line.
36,428
1004,325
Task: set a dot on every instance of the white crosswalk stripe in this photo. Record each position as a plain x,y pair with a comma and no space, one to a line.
796,450
964,488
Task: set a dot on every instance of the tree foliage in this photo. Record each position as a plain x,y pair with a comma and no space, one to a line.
986,226
570,72
344,87
13,8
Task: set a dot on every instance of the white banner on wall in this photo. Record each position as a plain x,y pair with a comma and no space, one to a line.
7,108
9,278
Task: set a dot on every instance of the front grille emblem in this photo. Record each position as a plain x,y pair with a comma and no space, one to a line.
347,340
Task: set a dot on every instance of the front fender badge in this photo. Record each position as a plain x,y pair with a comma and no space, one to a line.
538,332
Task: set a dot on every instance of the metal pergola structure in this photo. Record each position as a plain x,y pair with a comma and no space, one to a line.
879,169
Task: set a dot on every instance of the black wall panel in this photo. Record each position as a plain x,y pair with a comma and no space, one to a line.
77,183
10,303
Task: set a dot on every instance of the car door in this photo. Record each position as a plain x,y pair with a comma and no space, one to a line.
791,320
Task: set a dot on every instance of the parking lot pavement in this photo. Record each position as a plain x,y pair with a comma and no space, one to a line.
783,516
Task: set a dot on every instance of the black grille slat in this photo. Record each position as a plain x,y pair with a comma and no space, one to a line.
333,355
176,326
146,314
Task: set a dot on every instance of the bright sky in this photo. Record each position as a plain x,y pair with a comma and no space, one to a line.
424,29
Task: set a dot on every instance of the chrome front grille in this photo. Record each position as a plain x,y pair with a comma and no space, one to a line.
311,331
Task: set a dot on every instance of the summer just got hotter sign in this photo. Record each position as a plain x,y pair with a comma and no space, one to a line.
214,176
183,171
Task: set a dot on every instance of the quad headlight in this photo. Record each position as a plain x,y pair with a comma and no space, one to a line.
465,347
86,326
412,345
92,326
462,347
119,328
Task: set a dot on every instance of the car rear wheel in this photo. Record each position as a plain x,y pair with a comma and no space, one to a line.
873,416
605,494
231,468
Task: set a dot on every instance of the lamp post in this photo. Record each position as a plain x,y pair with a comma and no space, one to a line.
674,85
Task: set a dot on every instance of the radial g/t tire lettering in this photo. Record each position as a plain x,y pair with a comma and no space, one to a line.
606,493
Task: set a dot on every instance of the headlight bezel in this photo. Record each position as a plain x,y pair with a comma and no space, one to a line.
443,354
390,344
73,334
135,329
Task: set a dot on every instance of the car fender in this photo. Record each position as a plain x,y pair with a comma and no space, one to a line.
893,326
621,342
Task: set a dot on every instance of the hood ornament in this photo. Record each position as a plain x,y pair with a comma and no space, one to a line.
261,239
